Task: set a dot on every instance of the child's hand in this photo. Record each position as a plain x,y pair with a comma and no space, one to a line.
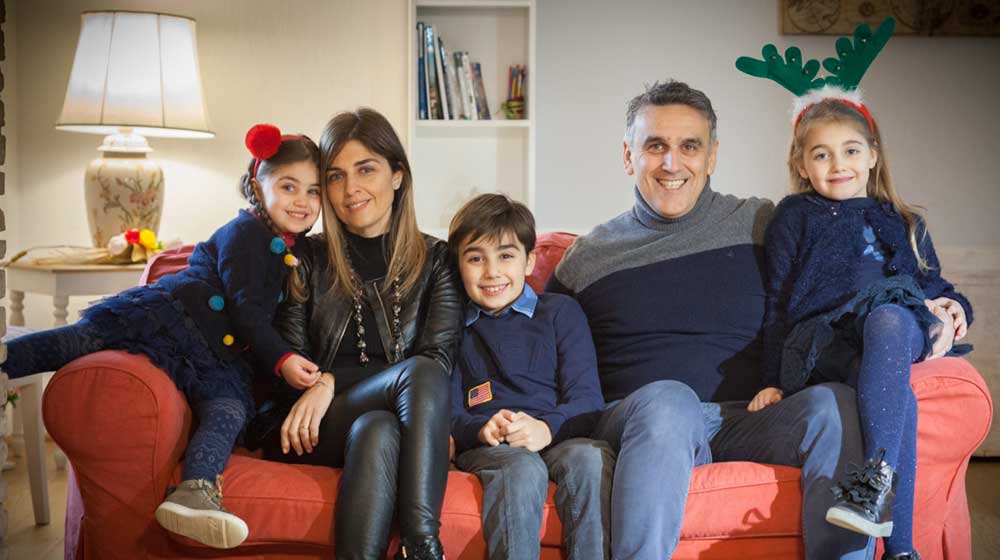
766,397
957,313
491,433
451,449
299,372
527,432
943,341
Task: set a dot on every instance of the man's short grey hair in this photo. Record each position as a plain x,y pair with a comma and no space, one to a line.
670,92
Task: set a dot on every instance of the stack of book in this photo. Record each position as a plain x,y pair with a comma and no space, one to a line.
449,85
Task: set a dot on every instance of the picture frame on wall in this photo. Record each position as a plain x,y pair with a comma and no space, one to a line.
913,17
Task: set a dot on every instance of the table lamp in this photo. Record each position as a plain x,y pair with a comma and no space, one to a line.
135,74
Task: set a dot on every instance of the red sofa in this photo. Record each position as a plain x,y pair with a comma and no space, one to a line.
124,427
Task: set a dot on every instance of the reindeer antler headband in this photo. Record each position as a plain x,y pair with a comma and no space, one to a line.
853,60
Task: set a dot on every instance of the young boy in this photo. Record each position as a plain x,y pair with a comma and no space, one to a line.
524,391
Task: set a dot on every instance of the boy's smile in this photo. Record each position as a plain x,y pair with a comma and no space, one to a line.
493,271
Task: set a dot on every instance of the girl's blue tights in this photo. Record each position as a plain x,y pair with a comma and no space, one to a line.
893,341
52,349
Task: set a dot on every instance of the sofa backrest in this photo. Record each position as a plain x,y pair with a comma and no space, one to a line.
549,249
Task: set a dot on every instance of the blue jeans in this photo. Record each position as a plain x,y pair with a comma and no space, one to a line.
662,431
515,483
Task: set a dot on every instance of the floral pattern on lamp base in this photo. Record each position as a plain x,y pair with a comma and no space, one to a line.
122,191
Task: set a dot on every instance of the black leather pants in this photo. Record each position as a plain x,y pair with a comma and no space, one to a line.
390,434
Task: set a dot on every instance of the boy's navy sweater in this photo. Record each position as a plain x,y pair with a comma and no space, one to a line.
813,260
679,299
243,264
538,358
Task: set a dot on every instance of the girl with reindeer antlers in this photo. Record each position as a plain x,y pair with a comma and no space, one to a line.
854,289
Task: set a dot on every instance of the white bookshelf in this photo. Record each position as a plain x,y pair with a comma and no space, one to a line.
455,159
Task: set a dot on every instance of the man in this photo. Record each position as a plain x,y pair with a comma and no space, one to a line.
674,294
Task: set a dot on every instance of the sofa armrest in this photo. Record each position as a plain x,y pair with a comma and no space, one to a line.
124,426
954,415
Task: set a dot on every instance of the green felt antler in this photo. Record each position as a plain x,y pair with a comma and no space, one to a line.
854,59
789,72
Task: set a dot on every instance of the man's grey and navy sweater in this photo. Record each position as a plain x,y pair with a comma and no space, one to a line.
536,357
814,261
679,299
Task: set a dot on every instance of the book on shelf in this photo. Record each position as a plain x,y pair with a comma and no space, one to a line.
465,85
482,105
450,95
421,78
433,97
442,97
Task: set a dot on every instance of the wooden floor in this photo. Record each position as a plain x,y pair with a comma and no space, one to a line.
45,542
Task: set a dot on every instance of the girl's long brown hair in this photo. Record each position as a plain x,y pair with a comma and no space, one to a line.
880,184
291,150
406,243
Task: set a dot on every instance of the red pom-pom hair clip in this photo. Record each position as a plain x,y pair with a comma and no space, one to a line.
263,141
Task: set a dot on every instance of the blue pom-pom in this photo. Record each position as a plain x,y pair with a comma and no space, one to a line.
216,303
281,297
277,245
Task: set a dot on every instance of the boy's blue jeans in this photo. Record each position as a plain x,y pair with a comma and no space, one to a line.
515,484
662,431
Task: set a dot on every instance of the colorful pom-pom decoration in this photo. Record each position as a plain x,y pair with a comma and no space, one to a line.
148,239
263,140
290,260
278,245
132,236
281,297
216,303
228,340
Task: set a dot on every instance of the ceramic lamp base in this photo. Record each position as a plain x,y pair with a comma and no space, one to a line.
123,189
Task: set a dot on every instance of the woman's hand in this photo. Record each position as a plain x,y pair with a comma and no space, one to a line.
957,313
944,340
766,397
300,431
299,372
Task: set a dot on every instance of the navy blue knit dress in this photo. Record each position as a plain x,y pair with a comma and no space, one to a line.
199,324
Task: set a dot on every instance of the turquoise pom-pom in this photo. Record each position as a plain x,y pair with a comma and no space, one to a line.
216,303
277,245
281,297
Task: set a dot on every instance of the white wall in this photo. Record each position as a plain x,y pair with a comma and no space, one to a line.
292,63
934,98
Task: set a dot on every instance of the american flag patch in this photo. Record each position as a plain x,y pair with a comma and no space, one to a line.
480,394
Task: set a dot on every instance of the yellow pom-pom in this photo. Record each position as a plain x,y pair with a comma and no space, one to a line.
147,239
290,260
228,340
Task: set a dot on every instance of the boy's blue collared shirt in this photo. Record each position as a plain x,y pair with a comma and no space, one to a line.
524,304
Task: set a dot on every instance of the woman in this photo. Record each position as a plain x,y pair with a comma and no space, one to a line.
382,319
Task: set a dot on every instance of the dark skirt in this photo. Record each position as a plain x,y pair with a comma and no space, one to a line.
146,320
828,347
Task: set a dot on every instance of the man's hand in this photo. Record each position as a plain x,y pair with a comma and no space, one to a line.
492,431
946,338
299,372
957,313
527,432
766,397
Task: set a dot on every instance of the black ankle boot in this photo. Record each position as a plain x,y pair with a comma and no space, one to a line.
864,501
913,555
421,547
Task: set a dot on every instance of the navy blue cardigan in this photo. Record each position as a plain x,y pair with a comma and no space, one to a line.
242,267
812,261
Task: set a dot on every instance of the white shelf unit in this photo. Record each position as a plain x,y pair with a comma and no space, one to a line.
454,160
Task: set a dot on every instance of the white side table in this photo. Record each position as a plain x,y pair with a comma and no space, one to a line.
63,280
60,282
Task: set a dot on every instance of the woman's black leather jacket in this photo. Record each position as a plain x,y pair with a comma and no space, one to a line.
431,315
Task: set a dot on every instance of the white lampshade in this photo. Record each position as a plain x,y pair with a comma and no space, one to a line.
136,70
